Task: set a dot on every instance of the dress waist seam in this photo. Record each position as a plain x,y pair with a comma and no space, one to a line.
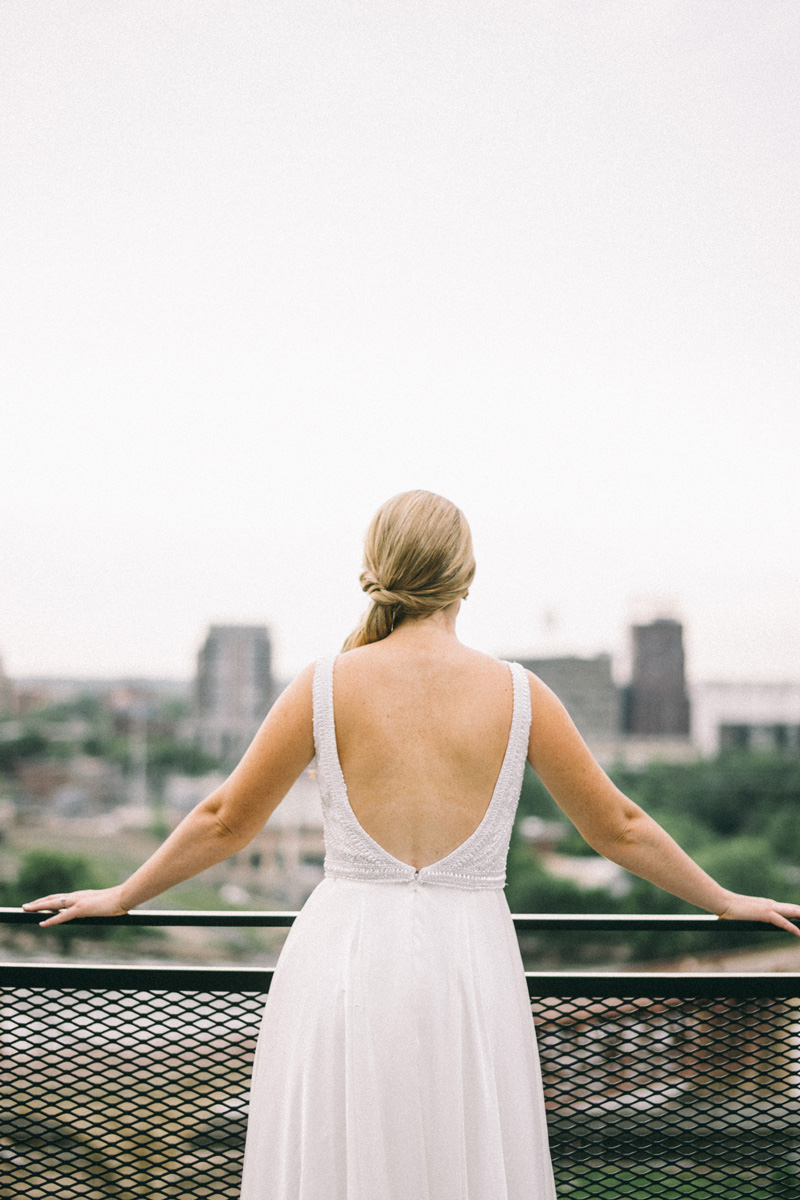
464,882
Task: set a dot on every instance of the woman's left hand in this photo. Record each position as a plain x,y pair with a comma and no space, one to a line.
95,902
759,908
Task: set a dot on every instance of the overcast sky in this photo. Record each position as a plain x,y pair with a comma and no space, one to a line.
265,264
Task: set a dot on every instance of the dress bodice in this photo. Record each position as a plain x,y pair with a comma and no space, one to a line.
350,852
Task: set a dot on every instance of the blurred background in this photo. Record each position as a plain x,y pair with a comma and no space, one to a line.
265,266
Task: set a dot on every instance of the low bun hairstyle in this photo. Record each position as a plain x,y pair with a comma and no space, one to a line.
417,560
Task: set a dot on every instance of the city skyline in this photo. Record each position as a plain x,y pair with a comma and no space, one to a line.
622,664
656,712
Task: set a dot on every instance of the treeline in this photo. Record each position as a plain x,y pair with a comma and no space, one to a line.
164,754
737,815
47,872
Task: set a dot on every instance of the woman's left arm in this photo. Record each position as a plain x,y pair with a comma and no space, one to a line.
220,825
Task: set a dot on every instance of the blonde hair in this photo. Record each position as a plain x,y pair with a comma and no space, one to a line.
417,559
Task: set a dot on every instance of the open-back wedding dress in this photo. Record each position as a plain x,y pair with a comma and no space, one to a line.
397,1056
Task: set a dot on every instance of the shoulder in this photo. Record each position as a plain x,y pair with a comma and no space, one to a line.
490,666
538,686
305,678
487,660
553,733
543,698
297,695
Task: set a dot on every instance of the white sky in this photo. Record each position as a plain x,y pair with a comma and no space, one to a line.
265,264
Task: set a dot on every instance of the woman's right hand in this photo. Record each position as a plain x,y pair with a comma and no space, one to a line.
94,902
759,908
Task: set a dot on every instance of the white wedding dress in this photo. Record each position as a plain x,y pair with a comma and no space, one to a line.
397,1057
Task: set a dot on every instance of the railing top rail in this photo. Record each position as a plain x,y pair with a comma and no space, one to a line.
524,922
653,985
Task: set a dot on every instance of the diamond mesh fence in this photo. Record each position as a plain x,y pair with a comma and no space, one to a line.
672,1097
125,1094
140,1091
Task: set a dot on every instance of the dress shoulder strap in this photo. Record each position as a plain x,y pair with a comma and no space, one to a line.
520,722
324,727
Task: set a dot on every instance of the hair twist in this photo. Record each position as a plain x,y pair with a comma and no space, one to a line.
417,560
379,594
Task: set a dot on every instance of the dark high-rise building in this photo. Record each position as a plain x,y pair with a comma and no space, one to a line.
234,688
657,700
586,688
7,698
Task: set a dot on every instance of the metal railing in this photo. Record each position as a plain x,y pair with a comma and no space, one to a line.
131,1083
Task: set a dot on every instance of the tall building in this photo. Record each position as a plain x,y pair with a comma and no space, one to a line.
658,701
7,698
586,688
234,688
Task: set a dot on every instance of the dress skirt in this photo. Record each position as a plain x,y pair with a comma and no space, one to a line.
397,1056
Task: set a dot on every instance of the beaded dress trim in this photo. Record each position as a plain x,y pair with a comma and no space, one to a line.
350,852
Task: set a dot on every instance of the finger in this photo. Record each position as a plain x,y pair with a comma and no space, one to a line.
788,910
781,921
44,902
64,914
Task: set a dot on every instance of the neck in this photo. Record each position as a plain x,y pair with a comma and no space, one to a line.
441,624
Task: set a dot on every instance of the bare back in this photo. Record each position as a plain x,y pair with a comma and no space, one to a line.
421,733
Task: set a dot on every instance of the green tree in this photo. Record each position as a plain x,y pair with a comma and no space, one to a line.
746,864
165,755
28,745
45,872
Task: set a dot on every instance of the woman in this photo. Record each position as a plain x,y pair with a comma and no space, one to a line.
397,1056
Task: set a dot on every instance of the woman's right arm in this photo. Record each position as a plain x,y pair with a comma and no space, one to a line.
619,829
220,825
